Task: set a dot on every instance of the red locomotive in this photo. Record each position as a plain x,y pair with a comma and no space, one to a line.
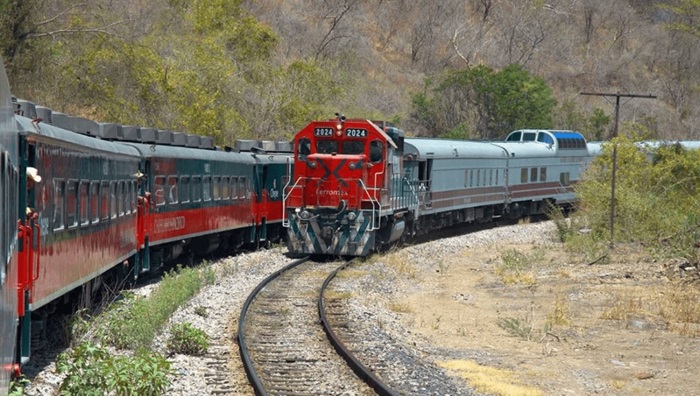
348,194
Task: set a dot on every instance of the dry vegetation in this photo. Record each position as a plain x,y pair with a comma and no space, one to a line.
540,320
596,45
263,68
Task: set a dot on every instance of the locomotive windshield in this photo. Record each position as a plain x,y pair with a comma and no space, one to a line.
353,147
326,146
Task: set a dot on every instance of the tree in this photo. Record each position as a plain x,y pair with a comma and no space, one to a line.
488,102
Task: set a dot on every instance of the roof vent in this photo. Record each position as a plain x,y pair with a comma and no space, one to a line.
109,131
26,108
45,114
193,141
180,139
148,135
164,137
207,143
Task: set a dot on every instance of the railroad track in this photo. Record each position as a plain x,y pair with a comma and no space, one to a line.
389,365
284,348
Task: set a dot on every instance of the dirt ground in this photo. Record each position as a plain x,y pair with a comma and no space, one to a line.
539,321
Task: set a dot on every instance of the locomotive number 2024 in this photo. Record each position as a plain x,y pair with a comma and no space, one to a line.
323,132
356,132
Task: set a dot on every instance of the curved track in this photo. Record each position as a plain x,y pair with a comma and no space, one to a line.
284,349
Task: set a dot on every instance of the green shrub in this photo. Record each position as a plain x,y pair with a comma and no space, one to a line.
187,339
657,192
91,370
133,322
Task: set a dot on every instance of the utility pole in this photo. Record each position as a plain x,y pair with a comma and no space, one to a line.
614,153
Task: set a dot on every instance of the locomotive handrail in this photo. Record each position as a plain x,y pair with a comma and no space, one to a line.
285,220
285,196
376,206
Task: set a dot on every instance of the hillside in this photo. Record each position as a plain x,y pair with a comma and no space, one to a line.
262,69
593,46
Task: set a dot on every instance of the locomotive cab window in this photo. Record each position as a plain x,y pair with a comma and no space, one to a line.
353,147
303,149
326,146
375,151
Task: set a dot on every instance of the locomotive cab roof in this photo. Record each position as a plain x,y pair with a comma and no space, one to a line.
350,129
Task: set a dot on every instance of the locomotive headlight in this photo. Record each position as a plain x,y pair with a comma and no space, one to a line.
352,166
352,216
312,164
305,215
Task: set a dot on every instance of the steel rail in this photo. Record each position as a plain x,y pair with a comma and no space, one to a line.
360,369
253,377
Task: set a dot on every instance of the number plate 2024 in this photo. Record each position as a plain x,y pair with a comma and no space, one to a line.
323,131
356,132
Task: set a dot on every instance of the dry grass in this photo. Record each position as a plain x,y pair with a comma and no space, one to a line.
490,380
625,306
560,314
400,262
400,307
336,295
679,305
517,267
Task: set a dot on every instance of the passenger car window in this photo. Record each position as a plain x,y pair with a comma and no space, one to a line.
94,202
173,190
83,201
104,200
183,192
59,190
159,188
72,203
514,137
